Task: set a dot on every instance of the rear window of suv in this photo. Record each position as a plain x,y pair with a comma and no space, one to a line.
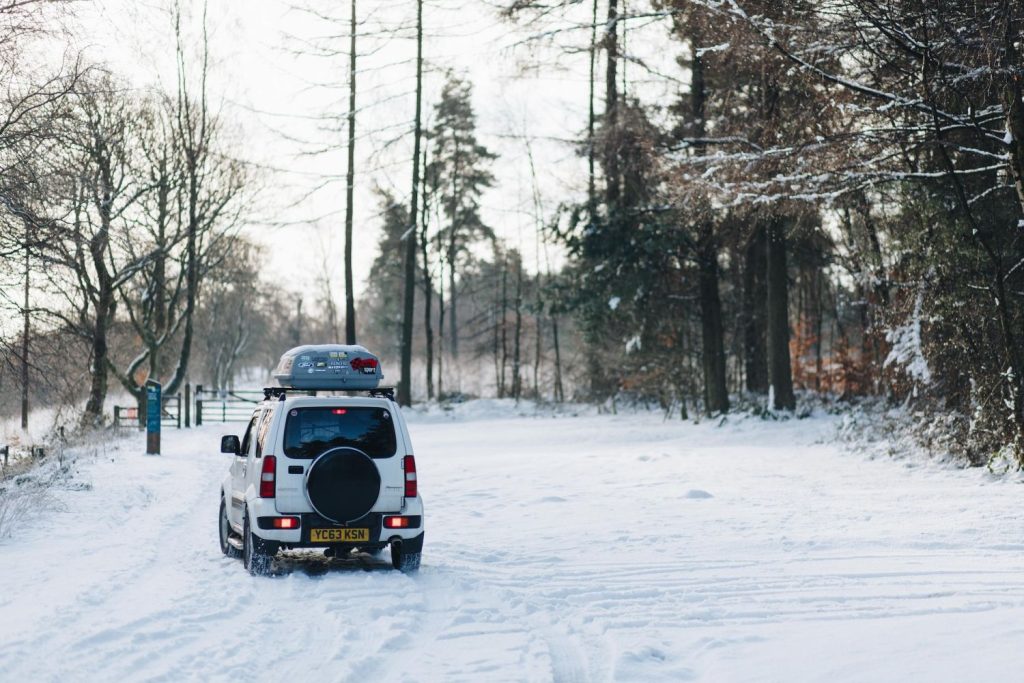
309,432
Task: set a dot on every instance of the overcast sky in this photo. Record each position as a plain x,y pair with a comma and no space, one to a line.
288,106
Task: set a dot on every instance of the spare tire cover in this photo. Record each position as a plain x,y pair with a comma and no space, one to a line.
343,484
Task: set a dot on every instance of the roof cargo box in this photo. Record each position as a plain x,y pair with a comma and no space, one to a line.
329,367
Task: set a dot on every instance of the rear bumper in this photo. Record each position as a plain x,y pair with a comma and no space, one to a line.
414,544
373,522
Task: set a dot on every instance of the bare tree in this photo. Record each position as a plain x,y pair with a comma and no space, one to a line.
212,182
405,385
230,309
350,302
31,104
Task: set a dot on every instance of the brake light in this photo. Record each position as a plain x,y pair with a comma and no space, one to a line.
339,411
409,465
396,522
286,522
268,475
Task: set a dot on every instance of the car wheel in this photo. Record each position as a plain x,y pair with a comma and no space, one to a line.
224,527
407,563
256,555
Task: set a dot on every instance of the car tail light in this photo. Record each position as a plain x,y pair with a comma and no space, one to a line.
409,465
286,522
268,474
396,522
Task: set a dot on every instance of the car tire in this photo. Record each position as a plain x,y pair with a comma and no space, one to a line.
224,529
407,563
256,555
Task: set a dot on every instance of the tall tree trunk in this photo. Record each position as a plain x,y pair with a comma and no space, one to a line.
453,328
537,318
350,301
453,254
780,373
611,114
591,121
559,389
160,312
818,329
1014,107
681,376
191,285
405,386
504,331
98,383
428,290
716,393
26,330
499,369
195,138
440,319
755,354
517,381
104,304
539,240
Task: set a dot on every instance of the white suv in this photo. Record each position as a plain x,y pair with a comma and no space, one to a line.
329,472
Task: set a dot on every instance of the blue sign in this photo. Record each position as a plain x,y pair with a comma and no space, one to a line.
153,407
153,417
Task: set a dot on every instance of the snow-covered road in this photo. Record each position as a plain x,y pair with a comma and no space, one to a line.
591,548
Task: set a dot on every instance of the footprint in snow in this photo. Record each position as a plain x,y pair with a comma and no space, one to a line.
697,494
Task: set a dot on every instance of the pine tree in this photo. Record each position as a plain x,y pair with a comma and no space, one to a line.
383,303
458,170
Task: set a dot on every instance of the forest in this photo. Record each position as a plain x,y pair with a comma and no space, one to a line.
830,204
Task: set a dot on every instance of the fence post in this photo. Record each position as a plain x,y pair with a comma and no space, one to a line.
199,405
223,411
188,404
178,399
117,417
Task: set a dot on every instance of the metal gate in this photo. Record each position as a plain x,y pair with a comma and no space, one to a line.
224,405
170,414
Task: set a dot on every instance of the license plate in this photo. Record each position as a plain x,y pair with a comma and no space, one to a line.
339,535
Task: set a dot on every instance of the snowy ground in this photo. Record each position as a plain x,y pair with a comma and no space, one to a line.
586,548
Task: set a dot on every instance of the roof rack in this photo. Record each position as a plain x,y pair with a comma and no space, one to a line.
280,393
383,392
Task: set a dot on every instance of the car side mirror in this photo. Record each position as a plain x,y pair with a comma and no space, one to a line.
230,444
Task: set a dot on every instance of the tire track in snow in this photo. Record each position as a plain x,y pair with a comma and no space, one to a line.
549,558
